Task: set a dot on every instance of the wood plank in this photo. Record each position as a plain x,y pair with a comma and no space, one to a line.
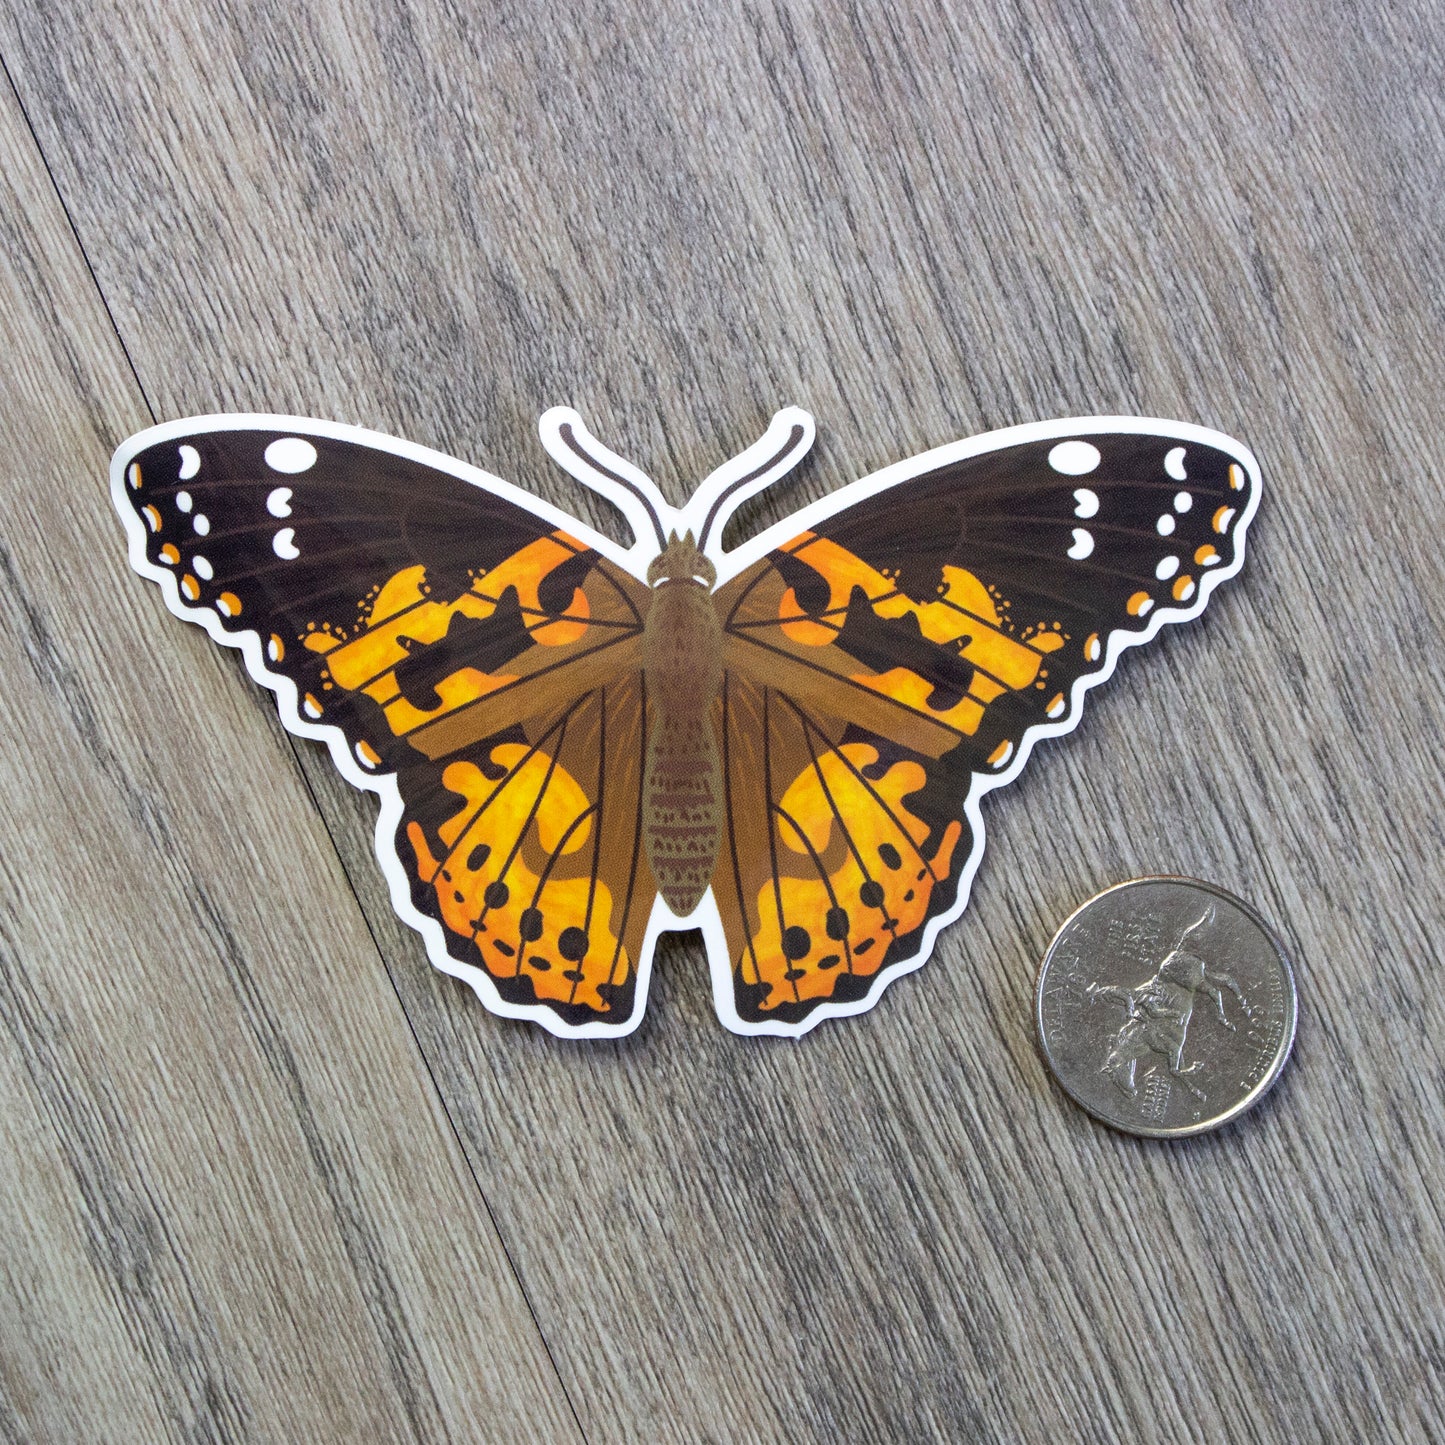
231,1207
920,224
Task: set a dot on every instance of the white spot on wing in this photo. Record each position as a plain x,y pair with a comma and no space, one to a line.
1074,458
190,463
1167,567
279,502
183,501
1174,463
1088,502
283,544
1083,544
1183,501
1165,525
290,455
202,524
201,566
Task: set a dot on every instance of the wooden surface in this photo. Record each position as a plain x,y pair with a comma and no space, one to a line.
267,1175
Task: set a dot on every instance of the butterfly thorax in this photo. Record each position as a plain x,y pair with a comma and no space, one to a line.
682,659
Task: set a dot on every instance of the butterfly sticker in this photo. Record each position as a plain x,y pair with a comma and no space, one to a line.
580,745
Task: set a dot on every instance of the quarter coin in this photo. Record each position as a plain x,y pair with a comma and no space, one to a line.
1165,1007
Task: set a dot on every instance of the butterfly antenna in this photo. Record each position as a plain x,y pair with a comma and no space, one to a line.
589,461
776,452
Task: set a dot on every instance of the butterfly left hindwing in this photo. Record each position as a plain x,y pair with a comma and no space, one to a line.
463,655
897,657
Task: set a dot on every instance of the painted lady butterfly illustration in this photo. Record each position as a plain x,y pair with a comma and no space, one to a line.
578,745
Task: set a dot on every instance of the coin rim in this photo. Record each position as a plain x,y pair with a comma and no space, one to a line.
1282,1054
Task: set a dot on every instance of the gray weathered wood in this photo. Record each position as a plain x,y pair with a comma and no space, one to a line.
919,223
230,1205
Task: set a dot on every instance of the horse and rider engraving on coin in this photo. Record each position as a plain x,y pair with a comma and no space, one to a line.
1165,1007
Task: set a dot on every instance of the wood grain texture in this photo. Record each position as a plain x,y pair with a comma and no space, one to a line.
920,223
231,1207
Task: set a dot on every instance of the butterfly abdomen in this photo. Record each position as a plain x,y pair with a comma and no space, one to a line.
682,802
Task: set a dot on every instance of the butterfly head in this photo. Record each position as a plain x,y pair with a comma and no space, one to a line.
681,561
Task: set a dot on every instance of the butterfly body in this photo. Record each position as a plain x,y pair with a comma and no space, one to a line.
579,745
682,666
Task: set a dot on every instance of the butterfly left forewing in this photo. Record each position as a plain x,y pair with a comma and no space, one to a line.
897,649
464,653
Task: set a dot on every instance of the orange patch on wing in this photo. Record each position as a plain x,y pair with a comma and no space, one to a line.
905,686
498,882
964,615
797,625
843,899
526,571
403,616
570,628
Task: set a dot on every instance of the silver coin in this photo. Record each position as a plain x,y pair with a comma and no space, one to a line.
1165,1007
